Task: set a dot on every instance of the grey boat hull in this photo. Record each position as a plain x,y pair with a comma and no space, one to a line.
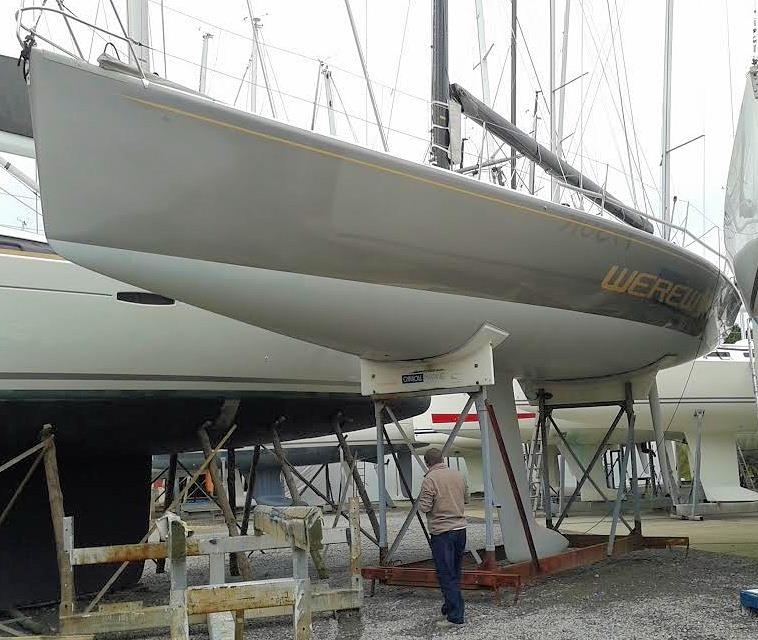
350,248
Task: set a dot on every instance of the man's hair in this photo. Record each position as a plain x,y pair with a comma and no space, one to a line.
432,456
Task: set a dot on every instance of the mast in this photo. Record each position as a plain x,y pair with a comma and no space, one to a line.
370,87
483,67
514,27
204,62
257,55
440,88
532,164
254,68
554,190
562,88
138,27
329,99
666,128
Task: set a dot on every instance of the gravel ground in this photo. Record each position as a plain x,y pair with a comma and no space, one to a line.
656,595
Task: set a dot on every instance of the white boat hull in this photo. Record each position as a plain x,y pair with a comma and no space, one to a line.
719,385
65,330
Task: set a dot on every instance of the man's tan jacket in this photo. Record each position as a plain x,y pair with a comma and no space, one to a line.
443,494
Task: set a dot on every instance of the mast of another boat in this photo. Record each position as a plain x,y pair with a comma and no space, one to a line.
329,98
562,89
514,27
532,165
138,27
483,52
483,70
254,66
204,62
666,128
554,189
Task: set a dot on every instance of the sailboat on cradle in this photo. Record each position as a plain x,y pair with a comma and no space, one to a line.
361,251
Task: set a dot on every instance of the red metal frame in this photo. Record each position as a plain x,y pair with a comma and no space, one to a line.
584,550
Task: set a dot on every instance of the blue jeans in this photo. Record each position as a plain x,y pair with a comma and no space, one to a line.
447,551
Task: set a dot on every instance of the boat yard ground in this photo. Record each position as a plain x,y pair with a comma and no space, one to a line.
656,595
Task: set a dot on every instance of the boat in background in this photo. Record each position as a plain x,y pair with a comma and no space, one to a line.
741,201
719,383
122,374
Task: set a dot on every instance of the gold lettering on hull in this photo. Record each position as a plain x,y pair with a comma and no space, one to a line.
649,286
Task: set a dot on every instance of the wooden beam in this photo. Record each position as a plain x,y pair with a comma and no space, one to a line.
231,521
239,596
350,461
286,469
195,547
116,622
168,499
57,513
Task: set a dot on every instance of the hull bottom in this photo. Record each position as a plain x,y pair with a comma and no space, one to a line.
109,499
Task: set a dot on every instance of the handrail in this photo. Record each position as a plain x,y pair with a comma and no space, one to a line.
666,223
32,30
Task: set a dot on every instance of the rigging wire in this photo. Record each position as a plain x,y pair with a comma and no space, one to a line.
646,198
267,53
729,64
399,62
291,52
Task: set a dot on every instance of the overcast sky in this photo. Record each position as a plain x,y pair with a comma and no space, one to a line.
612,123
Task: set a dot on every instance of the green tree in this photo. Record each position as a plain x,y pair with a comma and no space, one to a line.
734,335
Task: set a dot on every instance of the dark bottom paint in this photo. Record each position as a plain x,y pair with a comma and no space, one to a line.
104,451
109,500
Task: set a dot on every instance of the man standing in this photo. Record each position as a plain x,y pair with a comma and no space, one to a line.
443,494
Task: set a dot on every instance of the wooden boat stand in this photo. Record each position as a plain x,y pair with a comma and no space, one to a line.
223,606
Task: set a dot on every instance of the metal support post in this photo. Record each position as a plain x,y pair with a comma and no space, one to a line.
383,551
561,482
546,498
619,497
57,513
480,398
404,482
406,439
414,507
631,418
590,466
698,451
585,471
